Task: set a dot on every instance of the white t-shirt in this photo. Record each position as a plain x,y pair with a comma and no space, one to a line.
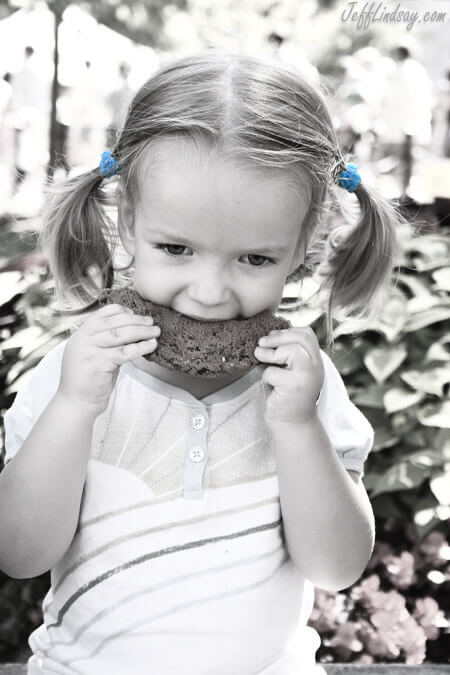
178,564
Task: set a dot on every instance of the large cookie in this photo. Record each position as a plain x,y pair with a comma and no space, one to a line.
193,347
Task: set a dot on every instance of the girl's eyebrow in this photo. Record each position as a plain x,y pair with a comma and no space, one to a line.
268,248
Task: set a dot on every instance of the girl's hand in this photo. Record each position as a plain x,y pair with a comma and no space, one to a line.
297,385
92,356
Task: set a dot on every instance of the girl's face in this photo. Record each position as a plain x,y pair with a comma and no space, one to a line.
211,239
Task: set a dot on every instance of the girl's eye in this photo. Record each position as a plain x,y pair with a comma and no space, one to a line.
168,246
254,260
258,259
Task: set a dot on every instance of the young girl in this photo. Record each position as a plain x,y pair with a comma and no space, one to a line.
186,521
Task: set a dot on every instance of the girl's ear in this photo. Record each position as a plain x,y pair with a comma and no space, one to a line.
125,223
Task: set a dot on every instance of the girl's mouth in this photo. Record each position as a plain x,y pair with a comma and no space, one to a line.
198,318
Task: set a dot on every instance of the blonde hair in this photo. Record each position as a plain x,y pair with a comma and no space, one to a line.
256,111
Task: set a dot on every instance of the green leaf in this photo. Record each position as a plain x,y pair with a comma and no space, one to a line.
426,457
417,305
442,279
399,398
21,369
429,380
372,396
304,316
427,521
419,287
402,476
392,320
428,514
347,360
439,350
385,505
431,251
13,283
435,414
385,437
426,317
440,487
417,439
24,338
441,441
383,361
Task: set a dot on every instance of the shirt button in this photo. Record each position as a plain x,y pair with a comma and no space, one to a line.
196,454
198,422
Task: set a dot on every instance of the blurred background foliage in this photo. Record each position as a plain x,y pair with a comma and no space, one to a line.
396,370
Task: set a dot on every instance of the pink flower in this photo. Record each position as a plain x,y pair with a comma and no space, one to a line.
412,639
391,602
346,640
429,616
365,590
364,658
400,570
431,547
380,551
392,630
378,643
326,611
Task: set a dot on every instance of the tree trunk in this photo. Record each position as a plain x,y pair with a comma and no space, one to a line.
53,130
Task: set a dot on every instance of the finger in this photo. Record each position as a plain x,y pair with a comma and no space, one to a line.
306,341
99,315
114,308
275,376
286,357
132,351
125,335
305,333
291,354
102,325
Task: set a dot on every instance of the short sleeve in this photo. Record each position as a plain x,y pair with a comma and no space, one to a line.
31,399
349,431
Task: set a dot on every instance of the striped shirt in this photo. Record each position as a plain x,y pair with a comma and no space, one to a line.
178,565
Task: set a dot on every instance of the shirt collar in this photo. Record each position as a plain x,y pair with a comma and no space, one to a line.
226,393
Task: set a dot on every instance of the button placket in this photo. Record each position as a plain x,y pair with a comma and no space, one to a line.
196,455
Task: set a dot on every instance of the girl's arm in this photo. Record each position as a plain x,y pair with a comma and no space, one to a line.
41,485
328,520
41,489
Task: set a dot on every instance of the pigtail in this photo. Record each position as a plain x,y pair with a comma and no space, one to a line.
78,240
360,259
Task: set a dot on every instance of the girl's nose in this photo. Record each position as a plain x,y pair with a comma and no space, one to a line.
210,287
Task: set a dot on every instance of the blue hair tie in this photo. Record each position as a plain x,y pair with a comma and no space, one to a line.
109,166
349,179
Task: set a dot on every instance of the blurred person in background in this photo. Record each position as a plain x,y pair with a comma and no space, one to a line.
118,101
62,127
7,139
289,55
406,111
359,97
87,116
441,117
31,105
